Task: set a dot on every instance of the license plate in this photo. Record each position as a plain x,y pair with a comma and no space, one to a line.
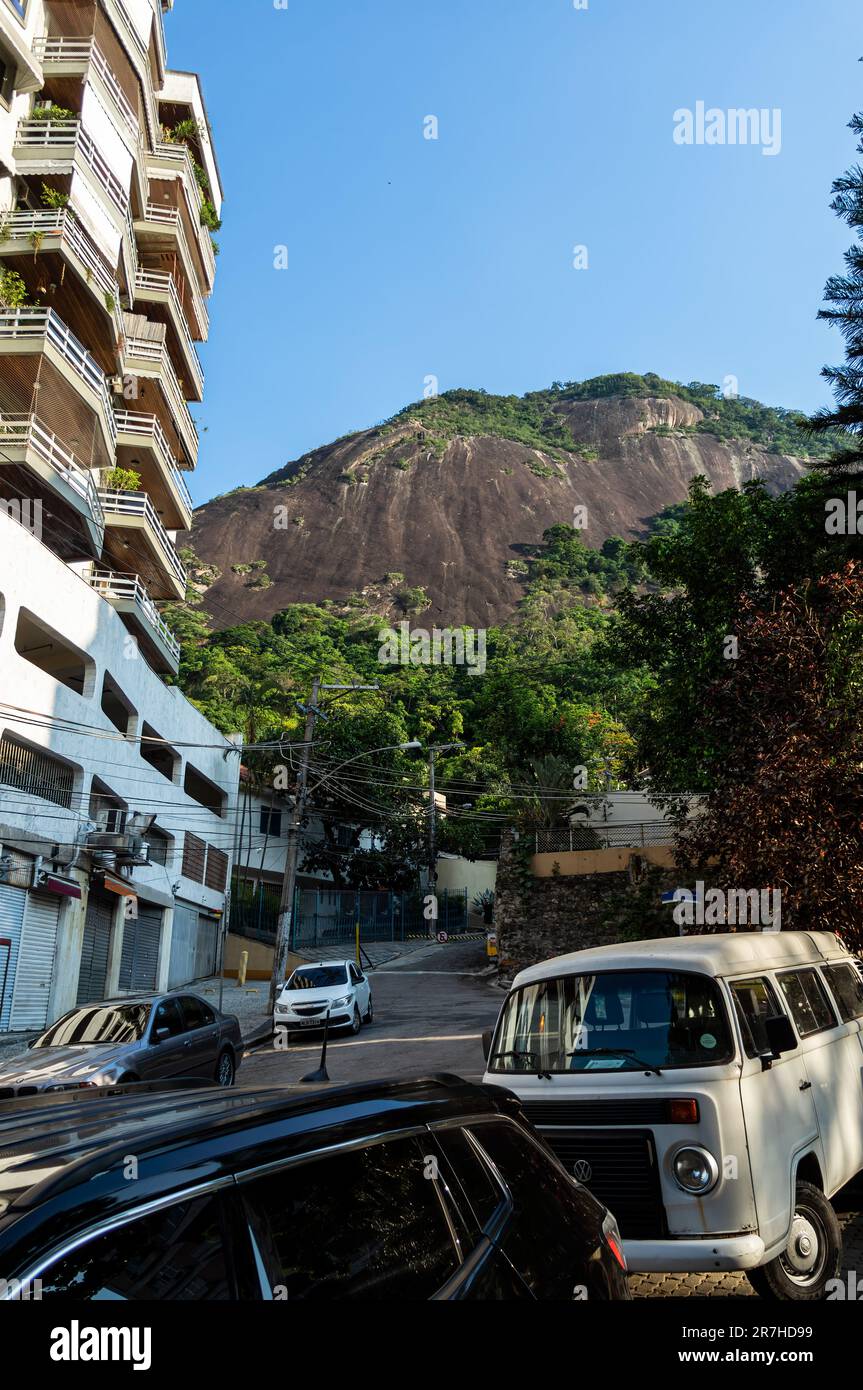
309,1022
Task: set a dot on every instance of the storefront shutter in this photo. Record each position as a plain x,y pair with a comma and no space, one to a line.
35,963
93,974
139,959
12,904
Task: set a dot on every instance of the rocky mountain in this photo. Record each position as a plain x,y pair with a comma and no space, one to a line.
447,498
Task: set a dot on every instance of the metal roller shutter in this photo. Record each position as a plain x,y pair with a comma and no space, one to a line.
184,938
207,947
93,974
12,904
35,963
139,959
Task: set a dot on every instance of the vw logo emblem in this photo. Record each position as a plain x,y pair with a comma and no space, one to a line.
582,1170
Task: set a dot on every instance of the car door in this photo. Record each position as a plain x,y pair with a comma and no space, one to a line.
201,1038
778,1108
165,1054
362,987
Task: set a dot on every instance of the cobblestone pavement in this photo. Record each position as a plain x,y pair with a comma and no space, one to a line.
848,1204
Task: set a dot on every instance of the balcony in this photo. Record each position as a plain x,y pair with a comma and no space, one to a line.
129,598
60,147
82,57
61,231
32,331
150,358
156,287
143,433
25,440
132,525
163,226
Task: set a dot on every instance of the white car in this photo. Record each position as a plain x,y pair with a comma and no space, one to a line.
337,985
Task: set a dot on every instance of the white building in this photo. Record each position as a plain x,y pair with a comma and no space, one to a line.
116,796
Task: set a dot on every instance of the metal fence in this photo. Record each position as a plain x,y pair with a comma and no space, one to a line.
330,916
632,835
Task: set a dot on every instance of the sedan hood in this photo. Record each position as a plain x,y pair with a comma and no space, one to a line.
77,1062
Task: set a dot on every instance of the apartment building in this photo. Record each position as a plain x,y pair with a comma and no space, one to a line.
116,796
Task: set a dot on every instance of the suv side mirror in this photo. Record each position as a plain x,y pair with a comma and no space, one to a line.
780,1034
486,1042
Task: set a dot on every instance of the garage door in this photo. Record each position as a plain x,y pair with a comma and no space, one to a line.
35,963
93,975
139,958
12,904
207,948
194,945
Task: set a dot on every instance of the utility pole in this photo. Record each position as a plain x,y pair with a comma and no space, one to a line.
432,860
289,880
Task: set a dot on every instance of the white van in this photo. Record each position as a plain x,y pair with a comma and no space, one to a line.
707,1089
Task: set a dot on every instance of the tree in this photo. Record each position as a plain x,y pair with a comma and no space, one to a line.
785,810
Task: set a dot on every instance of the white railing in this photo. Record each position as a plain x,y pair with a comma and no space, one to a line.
117,502
27,324
63,222
159,282
85,51
128,588
148,426
50,135
158,354
172,217
27,432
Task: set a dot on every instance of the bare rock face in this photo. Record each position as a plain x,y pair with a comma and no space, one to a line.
454,517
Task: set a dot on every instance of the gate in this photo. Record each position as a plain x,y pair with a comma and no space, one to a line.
330,916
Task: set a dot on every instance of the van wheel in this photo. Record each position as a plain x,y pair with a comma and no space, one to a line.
812,1257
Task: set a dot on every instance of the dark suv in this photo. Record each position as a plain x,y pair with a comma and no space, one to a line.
430,1189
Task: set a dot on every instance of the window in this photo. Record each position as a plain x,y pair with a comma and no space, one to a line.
217,869
483,1196
344,836
175,1254
36,773
159,754
160,846
196,1014
847,988
202,790
47,650
168,1016
363,1224
807,1000
194,857
106,809
19,6
271,822
755,1002
115,706
355,975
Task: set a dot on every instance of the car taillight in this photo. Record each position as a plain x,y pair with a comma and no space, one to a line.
611,1236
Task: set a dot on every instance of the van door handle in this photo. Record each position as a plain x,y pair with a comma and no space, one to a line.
805,1085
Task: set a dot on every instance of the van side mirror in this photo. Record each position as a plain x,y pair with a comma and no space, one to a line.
486,1042
780,1034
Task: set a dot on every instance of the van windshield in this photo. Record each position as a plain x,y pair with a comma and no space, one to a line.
615,1021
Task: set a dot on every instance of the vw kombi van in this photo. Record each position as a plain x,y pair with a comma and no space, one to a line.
707,1089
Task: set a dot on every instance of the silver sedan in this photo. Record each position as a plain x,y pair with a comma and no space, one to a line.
131,1039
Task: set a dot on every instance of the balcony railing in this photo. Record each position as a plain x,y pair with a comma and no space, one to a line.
83,52
128,588
116,502
130,422
32,324
158,354
26,432
55,135
172,217
65,224
158,282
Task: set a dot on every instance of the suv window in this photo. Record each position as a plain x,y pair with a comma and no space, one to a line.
174,1254
807,1000
755,1001
168,1016
482,1194
363,1224
196,1014
847,988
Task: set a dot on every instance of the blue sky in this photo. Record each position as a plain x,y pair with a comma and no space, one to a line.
453,258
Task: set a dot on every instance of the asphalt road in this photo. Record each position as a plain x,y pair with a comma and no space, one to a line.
430,1008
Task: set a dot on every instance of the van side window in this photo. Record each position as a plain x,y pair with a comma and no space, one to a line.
847,990
807,1000
755,1000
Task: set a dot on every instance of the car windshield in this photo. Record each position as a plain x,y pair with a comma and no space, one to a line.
318,977
615,1021
98,1024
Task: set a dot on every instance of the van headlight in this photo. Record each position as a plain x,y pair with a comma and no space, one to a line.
695,1170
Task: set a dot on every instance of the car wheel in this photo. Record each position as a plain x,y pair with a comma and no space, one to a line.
225,1071
370,1018
356,1021
812,1257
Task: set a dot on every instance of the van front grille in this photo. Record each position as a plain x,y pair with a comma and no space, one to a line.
619,1167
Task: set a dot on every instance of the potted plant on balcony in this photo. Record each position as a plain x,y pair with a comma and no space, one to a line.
59,115
121,480
13,291
59,202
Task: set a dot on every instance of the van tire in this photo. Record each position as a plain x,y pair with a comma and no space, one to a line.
777,1280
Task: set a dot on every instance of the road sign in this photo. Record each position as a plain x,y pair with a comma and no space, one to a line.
442,938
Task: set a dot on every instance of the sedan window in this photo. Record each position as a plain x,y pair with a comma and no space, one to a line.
168,1016
196,1014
